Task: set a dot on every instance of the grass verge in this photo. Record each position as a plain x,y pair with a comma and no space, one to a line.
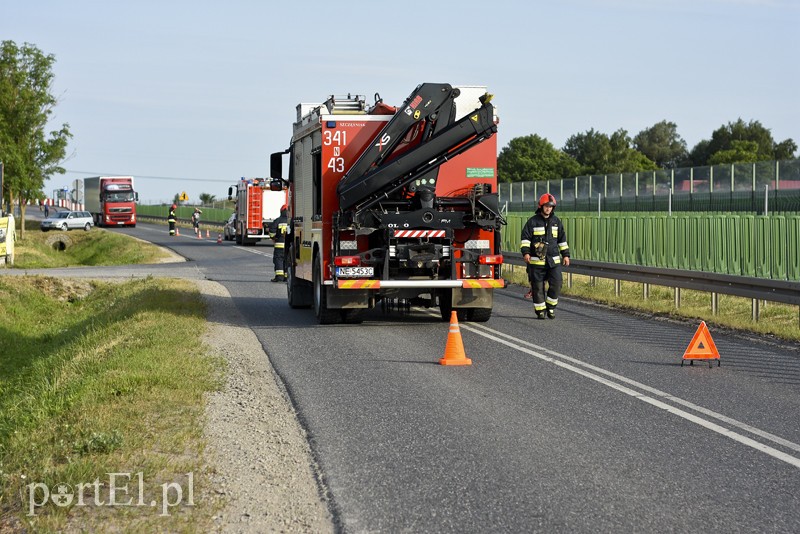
99,378
78,247
779,320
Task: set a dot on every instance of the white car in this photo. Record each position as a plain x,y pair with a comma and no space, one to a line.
68,220
229,230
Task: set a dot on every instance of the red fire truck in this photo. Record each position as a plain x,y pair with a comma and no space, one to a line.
393,205
256,207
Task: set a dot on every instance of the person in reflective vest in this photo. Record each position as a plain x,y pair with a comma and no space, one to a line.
171,219
277,231
544,248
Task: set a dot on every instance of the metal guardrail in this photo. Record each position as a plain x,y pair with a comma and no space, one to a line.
740,286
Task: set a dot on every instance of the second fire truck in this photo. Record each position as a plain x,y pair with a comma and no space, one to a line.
256,207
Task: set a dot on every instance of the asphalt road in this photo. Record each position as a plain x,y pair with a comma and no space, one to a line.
587,423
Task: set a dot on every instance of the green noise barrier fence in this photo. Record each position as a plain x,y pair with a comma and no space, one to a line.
210,215
744,245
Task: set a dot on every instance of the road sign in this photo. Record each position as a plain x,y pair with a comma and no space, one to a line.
183,196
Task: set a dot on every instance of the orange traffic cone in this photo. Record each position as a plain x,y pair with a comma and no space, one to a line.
208,232
177,230
219,239
454,350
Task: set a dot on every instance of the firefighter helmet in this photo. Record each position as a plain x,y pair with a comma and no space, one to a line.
547,200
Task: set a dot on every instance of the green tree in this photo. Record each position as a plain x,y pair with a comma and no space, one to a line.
29,153
662,144
740,152
207,199
534,158
722,140
599,153
785,149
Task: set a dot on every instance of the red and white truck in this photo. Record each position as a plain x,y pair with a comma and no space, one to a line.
111,200
396,206
256,207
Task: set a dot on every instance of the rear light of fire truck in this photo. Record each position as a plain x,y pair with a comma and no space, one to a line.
347,261
493,259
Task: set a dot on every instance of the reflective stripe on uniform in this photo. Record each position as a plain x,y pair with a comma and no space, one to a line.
563,246
557,259
539,306
538,230
537,261
551,302
279,244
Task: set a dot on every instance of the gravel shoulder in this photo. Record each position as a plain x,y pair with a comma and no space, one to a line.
262,472
259,459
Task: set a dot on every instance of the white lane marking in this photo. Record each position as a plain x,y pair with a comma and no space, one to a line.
775,453
677,400
248,249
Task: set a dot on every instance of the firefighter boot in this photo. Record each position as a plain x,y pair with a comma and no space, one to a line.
540,315
551,313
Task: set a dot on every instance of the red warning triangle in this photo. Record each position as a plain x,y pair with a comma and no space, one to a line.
701,347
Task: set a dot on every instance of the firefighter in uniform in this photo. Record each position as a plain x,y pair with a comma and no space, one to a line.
277,231
544,249
171,219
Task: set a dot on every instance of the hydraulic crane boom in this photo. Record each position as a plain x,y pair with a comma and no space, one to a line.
372,178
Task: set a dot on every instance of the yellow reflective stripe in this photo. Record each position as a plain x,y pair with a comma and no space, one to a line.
551,302
554,231
557,259
483,283
537,262
563,246
279,244
525,242
359,284
539,306
538,231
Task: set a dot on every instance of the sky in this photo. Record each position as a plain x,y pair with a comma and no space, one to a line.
189,96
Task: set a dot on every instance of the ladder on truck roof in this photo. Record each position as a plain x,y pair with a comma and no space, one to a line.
346,105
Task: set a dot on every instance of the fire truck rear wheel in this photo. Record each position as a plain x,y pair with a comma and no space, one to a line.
297,291
353,316
324,315
446,306
479,315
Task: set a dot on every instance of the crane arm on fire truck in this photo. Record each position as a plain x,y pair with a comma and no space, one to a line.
429,102
366,185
